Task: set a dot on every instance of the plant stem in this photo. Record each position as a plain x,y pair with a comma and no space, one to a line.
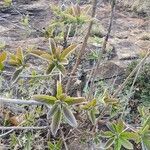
18,101
84,44
95,69
23,128
131,74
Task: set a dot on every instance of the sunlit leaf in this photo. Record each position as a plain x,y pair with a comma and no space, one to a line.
74,100
3,56
1,66
120,126
59,89
7,2
67,51
19,54
62,97
45,98
47,57
117,144
25,20
126,143
13,63
90,104
64,61
106,134
38,52
111,126
130,135
69,117
56,120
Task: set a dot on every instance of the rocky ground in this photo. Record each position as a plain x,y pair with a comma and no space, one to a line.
130,35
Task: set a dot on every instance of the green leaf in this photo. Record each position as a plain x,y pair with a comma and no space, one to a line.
7,2
19,55
47,57
117,144
53,110
91,114
16,74
45,98
126,143
106,134
50,68
62,97
120,126
1,66
90,104
61,68
67,51
112,127
147,122
109,143
74,100
129,135
56,120
3,56
68,115
52,46
64,61
59,89
37,52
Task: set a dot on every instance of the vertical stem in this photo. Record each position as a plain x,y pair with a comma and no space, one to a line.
95,69
81,52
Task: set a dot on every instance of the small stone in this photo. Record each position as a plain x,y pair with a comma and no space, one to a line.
3,29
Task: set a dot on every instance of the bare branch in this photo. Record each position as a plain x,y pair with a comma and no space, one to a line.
81,52
23,128
131,74
18,101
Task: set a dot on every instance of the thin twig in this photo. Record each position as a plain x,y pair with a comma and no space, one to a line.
18,101
95,69
6,133
64,141
23,128
131,74
84,44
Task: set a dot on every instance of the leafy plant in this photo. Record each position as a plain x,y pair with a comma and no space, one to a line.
18,60
3,57
144,130
60,107
7,2
141,90
57,145
118,136
56,57
72,14
90,107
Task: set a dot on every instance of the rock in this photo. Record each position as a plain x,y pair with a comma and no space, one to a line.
144,36
126,54
3,29
123,35
143,45
109,70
